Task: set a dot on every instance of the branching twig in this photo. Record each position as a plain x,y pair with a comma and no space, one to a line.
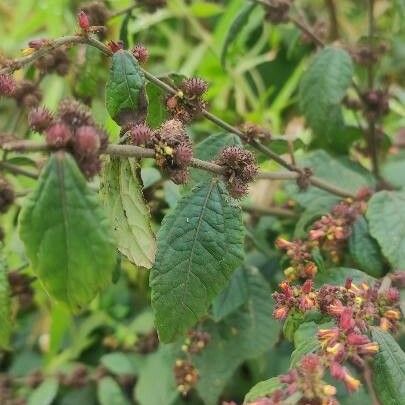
17,170
17,64
276,211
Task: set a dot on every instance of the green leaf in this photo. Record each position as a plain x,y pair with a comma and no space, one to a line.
157,112
232,297
121,363
5,308
263,389
342,172
156,384
66,234
305,340
209,148
125,89
109,392
389,369
121,192
394,169
386,218
247,333
365,250
45,393
200,243
323,87
338,276
235,28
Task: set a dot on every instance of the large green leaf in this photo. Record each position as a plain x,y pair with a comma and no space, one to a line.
156,384
245,334
386,218
122,195
394,170
5,307
323,87
343,173
238,23
232,296
338,276
389,369
109,392
200,243
263,389
125,89
45,393
365,250
67,235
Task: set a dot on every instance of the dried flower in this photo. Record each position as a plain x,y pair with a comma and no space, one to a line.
141,53
240,169
7,85
58,135
39,119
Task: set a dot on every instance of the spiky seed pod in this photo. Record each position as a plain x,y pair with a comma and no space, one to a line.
90,166
7,85
194,87
141,135
240,168
7,195
97,13
39,119
27,94
86,142
252,132
172,132
178,176
141,53
58,135
183,154
74,113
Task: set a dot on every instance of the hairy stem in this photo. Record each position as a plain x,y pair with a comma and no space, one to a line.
334,25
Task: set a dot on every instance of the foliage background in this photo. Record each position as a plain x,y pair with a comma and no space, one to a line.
259,84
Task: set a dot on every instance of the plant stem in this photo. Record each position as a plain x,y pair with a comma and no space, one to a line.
90,40
371,135
334,25
368,374
304,28
138,152
17,170
276,211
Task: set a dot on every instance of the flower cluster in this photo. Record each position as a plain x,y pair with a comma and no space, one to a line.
356,305
240,169
73,129
299,254
307,379
187,103
376,104
366,56
331,232
353,308
301,298
173,150
186,376
196,341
